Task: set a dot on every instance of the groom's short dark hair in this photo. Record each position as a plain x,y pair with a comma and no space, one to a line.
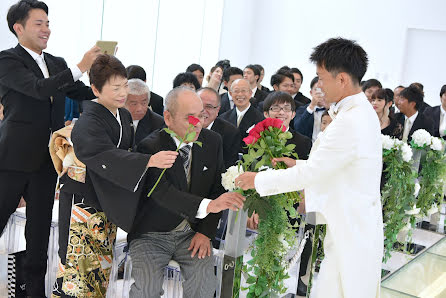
341,55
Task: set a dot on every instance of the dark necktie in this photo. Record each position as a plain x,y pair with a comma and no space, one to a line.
185,155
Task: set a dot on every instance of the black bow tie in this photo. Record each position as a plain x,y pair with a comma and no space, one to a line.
320,109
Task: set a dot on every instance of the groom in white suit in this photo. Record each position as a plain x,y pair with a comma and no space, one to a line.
347,159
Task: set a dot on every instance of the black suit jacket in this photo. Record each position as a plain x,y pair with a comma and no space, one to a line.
149,123
224,103
421,122
231,140
172,201
30,115
252,117
156,102
301,99
303,144
260,95
434,114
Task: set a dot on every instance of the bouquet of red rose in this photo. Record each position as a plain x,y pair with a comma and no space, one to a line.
189,136
276,235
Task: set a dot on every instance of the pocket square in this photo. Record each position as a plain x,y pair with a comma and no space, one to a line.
205,168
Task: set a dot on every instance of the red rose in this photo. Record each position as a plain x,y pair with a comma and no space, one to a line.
249,140
267,123
277,123
193,120
256,130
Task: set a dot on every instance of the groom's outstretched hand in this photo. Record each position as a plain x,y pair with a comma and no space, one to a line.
289,162
246,180
228,200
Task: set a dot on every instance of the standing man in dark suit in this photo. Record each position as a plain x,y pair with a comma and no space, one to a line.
181,216
33,86
438,115
229,75
410,100
252,74
244,114
144,120
228,132
156,101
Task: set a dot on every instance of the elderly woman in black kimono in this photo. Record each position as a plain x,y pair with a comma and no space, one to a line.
93,205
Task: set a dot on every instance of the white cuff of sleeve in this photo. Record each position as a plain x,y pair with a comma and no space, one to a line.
201,213
76,73
310,110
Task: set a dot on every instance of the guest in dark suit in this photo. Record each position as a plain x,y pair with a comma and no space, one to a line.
186,79
156,101
229,76
252,74
410,118
262,75
33,86
181,216
244,114
144,120
298,80
423,106
438,115
308,117
228,132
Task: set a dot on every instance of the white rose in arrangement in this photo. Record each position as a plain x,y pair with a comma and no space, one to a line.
417,189
421,138
388,142
406,152
436,144
413,211
228,178
284,242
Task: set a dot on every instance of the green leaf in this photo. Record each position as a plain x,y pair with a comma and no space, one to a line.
190,136
251,279
171,132
290,147
199,143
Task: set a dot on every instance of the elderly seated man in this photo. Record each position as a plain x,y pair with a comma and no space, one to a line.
179,219
145,120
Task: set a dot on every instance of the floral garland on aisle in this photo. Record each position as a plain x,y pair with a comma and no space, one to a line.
399,192
432,174
267,269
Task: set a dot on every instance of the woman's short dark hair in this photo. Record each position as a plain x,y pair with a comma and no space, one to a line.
412,93
442,90
341,55
193,67
19,12
383,94
277,97
104,68
186,77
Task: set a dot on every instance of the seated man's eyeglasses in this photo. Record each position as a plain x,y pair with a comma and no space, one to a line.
278,108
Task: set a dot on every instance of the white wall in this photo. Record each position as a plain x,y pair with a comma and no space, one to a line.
275,33
163,36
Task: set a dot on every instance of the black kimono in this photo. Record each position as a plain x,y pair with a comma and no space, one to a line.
90,212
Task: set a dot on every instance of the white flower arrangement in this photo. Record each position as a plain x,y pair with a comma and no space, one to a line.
228,177
388,142
406,152
413,211
417,189
421,138
436,144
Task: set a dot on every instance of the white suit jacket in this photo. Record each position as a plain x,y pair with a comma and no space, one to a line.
341,180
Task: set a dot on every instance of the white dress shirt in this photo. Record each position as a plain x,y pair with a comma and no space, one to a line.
408,123
231,101
241,114
316,122
75,71
442,126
